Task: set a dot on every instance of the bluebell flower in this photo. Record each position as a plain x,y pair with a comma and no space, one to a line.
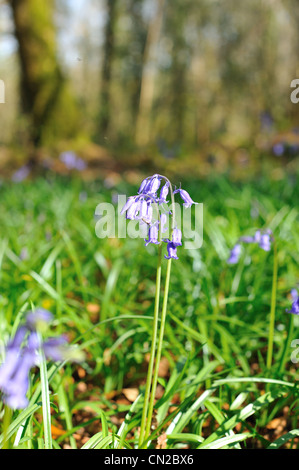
12,357
262,238
153,185
16,386
153,234
295,304
14,373
21,174
149,214
133,210
265,242
185,197
143,187
72,161
128,204
56,348
235,254
23,352
278,149
38,319
171,250
164,193
176,237
140,207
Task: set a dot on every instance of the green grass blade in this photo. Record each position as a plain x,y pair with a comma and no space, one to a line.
45,403
226,441
243,414
17,422
283,439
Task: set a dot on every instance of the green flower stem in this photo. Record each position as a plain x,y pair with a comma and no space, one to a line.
273,306
153,348
159,350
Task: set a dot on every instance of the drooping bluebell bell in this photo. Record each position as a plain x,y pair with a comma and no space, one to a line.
185,197
153,234
133,210
23,353
164,193
128,204
295,304
142,186
177,237
153,185
171,250
149,213
142,209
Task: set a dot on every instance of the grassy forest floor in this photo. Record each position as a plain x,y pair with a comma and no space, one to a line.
101,292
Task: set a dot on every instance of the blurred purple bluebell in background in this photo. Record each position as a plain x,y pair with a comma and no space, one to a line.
295,304
22,353
21,174
234,254
72,161
262,237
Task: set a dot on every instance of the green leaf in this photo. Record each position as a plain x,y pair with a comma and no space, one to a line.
283,439
182,437
18,421
226,441
241,415
183,417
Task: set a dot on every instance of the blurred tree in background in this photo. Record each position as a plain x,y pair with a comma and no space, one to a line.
169,76
45,96
108,56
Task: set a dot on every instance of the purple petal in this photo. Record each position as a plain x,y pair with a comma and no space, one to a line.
265,243
171,249
185,197
40,316
234,254
127,204
54,348
153,234
177,237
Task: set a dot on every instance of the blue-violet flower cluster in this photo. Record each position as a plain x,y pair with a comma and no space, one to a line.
23,352
262,238
154,190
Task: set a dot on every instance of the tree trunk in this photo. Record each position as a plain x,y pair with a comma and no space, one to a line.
45,95
148,76
109,49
